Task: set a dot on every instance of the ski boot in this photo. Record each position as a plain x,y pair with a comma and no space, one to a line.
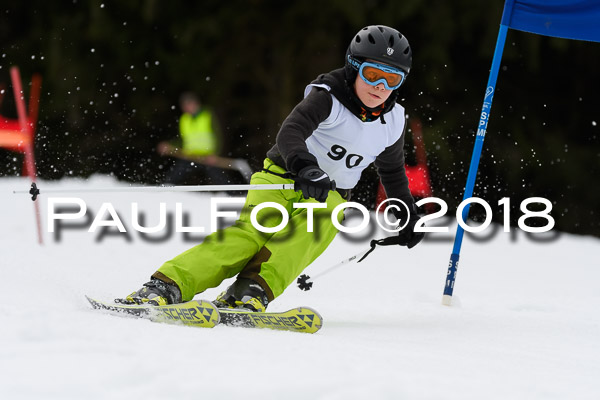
154,293
244,293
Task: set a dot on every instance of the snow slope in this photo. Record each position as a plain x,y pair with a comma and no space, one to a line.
526,324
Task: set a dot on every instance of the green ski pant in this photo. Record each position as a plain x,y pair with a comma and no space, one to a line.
274,260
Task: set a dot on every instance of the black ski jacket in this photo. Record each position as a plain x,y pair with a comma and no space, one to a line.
290,150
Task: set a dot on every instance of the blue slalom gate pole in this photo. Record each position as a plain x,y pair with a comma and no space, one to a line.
481,129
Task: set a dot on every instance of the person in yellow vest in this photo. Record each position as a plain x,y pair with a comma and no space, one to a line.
198,147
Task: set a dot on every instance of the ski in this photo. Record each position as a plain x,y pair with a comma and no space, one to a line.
199,313
202,313
301,319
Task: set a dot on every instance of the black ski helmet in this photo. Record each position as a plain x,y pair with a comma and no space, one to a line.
379,43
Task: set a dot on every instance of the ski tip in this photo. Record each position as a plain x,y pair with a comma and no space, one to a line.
309,309
315,324
94,303
99,304
102,305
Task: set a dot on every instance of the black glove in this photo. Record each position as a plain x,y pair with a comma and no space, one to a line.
314,182
407,236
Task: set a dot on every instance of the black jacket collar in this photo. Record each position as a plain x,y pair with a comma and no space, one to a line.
343,90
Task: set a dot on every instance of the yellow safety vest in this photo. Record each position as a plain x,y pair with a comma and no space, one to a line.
197,134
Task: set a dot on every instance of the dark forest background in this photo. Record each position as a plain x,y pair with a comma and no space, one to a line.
113,71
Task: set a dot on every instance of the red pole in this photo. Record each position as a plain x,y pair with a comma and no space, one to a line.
26,129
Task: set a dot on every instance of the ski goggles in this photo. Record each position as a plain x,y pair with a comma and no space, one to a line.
374,74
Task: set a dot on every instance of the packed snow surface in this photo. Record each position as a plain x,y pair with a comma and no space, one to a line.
525,323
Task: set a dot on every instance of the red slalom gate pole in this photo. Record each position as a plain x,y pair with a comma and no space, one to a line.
26,129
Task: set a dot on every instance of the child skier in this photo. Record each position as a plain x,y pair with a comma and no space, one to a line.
347,120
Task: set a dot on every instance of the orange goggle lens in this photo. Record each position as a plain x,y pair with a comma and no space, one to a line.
374,74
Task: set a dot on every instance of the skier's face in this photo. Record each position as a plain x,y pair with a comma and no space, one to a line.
371,96
190,107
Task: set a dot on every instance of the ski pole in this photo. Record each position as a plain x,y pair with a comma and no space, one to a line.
35,191
305,282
